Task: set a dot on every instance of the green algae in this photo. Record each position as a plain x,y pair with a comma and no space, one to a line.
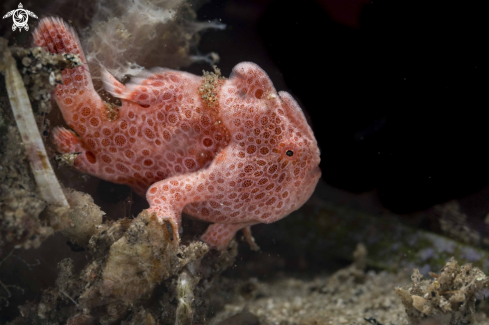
333,232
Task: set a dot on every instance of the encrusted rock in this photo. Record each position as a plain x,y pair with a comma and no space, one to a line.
448,298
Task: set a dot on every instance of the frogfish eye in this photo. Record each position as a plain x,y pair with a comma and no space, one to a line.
290,151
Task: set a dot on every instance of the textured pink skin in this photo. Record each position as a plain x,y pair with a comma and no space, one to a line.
228,164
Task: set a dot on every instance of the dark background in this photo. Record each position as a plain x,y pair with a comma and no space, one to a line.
396,90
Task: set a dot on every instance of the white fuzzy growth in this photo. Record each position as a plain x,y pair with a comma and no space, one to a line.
21,106
125,34
185,295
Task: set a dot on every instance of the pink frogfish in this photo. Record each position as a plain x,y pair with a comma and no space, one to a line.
232,152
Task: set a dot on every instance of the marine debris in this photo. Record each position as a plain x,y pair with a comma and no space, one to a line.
448,298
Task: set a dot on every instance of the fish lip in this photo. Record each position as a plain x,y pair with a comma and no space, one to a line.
313,175
316,172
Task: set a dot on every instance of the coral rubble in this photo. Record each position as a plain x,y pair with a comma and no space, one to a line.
353,296
134,260
449,298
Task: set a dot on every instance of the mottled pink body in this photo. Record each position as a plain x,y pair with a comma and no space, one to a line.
248,158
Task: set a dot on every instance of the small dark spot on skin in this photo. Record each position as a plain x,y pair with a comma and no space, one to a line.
289,153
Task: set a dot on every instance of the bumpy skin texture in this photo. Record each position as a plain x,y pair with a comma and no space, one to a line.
249,157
